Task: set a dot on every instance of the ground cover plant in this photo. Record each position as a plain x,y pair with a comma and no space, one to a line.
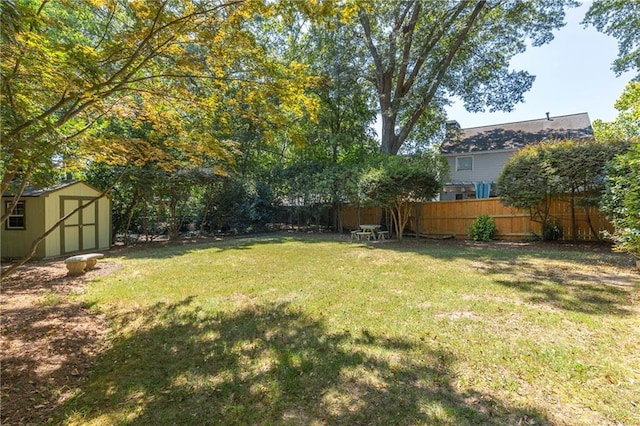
280,330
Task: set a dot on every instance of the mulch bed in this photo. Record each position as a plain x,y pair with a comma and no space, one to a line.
49,341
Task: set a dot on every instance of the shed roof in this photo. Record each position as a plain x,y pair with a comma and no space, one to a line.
512,136
32,191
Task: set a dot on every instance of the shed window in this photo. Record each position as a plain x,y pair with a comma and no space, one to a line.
16,219
464,163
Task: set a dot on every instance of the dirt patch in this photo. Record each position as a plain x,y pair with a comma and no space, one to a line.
49,340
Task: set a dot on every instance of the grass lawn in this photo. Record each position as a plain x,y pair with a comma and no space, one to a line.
313,330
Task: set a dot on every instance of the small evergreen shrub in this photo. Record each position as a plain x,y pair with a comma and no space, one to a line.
483,228
552,231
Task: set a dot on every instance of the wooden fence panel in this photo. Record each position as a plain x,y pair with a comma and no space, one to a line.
352,218
453,218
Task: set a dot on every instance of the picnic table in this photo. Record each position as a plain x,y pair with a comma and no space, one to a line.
369,232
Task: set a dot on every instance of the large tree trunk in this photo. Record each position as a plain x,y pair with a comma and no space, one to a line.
390,142
395,80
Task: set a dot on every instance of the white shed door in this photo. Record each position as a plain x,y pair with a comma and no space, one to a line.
80,231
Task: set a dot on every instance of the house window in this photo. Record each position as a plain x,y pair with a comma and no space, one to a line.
16,219
464,163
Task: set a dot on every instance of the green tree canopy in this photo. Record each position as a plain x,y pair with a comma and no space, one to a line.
168,65
619,19
418,54
567,169
523,183
398,181
621,200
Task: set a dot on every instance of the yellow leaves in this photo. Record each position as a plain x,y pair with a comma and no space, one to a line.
190,79
350,9
142,8
102,3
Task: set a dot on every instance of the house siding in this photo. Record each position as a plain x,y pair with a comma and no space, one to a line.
486,166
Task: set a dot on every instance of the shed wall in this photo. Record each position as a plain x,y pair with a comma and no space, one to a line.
16,243
54,210
42,212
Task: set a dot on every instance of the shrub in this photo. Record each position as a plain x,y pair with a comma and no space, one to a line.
483,228
552,231
621,200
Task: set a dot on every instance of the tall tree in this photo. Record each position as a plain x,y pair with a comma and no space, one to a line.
421,53
347,111
621,19
621,200
168,63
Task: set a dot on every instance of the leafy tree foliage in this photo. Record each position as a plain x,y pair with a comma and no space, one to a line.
523,183
396,182
346,114
621,200
570,170
135,82
619,19
420,53
625,127
162,65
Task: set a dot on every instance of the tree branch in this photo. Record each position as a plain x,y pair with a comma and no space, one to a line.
441,71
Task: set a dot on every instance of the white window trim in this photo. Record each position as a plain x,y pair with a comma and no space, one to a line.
13,214
458,169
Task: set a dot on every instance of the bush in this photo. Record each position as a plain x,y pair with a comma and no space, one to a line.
483,228
552,231
621,200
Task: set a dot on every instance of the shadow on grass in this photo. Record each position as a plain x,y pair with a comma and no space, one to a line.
564,286
174,364
529,268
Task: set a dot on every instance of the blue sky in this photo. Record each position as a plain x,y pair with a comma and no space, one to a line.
573,74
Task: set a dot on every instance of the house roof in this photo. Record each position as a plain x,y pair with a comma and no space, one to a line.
513,136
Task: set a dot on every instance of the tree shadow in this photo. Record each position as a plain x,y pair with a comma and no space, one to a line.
46,348
563,287
527,268
273,364
511,263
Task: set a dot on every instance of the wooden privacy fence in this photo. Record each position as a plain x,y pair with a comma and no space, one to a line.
453,218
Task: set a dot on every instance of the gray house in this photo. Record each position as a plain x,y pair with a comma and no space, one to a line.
476,155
